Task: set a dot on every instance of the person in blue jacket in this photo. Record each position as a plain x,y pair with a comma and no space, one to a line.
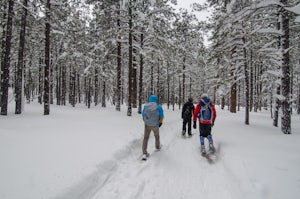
153,116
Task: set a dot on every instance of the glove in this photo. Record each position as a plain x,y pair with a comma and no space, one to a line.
159,125
194,125
213,123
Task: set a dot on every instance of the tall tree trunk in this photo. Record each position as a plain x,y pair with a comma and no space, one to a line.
3,39
141,76
180,93
20,68
103,101
78,99
129,105
58,71
119,64
158,81
64,85
183,80
72,92
40,91
246,72
286,111
6,62
51,81
251,81
96,86
89,92
168,85
151,78
233,95
134,79
222,102
173,88
47,62
190,86
233,88
278,87
298,96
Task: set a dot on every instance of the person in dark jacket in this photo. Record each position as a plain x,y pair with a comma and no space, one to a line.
186,114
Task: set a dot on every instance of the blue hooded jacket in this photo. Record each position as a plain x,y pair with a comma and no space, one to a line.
152,112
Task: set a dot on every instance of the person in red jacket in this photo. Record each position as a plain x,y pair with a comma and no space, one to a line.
206,113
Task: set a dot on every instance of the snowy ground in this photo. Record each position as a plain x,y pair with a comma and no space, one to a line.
80,153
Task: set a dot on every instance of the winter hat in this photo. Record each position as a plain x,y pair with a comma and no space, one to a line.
204,95
190,99
153,98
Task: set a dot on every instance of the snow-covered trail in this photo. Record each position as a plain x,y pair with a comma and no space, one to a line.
80,153
177,171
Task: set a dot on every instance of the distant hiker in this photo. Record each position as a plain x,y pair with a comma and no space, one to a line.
206,113
187,114
153,118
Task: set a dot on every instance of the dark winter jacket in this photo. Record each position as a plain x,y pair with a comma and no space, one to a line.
187,110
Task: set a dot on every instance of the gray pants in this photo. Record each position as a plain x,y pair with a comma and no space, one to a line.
147,132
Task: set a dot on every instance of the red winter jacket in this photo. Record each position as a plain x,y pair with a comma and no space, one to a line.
197,111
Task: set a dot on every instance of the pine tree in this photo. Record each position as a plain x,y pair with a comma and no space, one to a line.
5,65
286,111
47,61
20,67
130,59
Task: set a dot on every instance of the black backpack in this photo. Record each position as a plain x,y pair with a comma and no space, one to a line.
188,111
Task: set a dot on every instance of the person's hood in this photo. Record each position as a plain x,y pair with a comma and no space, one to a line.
206,100
153,98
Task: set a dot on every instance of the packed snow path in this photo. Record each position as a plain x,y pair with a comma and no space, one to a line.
176,172
80,153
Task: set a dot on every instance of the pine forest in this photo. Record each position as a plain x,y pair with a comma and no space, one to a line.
95,52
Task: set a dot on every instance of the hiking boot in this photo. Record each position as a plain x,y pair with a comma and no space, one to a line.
158,148
145,156
211,148
183,133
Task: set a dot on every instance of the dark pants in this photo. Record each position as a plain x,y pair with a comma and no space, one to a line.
205,132
187,121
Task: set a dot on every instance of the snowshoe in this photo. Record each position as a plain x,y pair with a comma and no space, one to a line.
211,148
203,151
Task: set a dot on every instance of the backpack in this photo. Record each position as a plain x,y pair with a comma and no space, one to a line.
188,112
206,114
151,115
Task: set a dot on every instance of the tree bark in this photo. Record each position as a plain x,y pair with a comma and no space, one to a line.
183,80
20,68
40,91
246,72
47,61
278,87
129,105
96,86
119,64
285,81
141,76
6,61
233,88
